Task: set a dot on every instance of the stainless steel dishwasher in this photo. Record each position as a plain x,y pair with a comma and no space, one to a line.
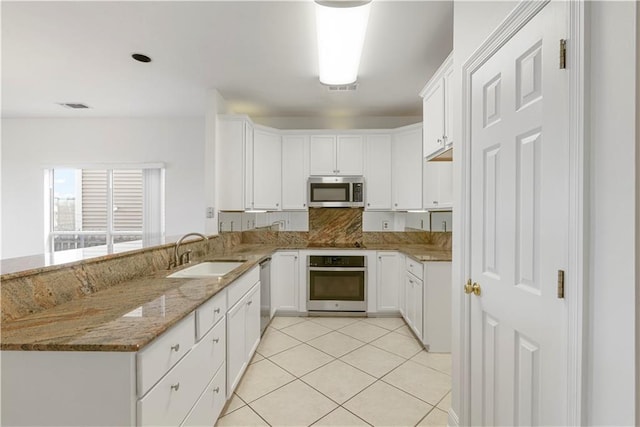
265,294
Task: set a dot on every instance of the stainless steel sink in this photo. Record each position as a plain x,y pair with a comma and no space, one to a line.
207,269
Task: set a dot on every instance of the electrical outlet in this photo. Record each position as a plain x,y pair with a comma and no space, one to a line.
385,225
210,212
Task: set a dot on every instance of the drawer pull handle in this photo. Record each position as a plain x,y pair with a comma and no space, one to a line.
175,348
216,390
217,310
175,386
216,340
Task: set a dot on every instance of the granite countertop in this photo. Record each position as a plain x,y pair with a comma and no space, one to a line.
128,316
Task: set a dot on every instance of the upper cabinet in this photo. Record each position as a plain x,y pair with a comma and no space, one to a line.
267,157
407,168
295,171
336,155
233,153
437,110
377,172
438,185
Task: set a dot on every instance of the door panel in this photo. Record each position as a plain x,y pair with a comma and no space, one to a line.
519,188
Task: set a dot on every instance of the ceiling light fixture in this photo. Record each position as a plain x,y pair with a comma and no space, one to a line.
341,27
140,57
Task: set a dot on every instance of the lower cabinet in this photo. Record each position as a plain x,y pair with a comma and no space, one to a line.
285,282
243,335
413,298
387,283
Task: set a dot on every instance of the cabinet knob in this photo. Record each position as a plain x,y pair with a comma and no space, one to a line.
277,204
368,204
216,390
295,257
304,204
175,386
435,202
249,302
217,310
396,204
175,347
216,340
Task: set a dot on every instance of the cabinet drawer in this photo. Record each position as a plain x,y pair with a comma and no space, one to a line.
242,285
157,358
208,408
414,267
209,313
169,401
215,345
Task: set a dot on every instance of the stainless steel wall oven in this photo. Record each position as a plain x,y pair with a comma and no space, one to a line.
337,283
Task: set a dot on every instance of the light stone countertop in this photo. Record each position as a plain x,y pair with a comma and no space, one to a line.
128,316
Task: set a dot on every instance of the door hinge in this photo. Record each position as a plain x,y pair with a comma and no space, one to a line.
563,54
560,283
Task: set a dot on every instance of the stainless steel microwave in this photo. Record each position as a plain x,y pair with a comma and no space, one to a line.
335,192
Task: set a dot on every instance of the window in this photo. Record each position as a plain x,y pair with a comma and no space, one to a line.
103,206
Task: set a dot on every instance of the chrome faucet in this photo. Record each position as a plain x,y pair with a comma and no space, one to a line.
185,258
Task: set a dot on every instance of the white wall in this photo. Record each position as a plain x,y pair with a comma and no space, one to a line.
611,349
612,358
28,145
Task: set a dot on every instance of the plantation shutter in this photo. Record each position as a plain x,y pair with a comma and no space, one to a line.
127,200
94,200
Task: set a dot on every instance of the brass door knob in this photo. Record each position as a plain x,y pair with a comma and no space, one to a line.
474,288
468,287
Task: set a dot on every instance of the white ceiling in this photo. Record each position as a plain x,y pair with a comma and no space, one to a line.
261,57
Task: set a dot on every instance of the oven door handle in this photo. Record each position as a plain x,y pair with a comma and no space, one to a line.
337,268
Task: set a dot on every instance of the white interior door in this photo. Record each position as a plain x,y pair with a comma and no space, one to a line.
519,221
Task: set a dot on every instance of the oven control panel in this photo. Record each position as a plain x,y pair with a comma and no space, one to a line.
337,261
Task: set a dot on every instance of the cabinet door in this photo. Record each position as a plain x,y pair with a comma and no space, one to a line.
448,106
230,163
252,322
295,171
236,342
407,170
433,117
419,307
409,309
267,170
378,172
387,282
438,185
285,282
400,278
349,155
322,155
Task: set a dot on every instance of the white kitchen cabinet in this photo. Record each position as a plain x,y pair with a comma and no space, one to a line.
267,158
437,108
407,168
437,307
232,154
377,172
243,335
336,155
388,282
414,303
438,185
285,282
295,171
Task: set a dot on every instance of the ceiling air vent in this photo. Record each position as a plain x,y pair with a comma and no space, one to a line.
74,105
342,88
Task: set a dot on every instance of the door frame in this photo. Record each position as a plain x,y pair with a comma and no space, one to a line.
576,275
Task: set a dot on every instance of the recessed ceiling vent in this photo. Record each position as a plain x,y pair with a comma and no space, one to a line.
342,88
74,105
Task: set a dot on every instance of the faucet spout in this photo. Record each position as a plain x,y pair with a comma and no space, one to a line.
180,259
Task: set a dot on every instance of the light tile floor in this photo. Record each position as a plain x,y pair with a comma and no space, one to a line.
341,371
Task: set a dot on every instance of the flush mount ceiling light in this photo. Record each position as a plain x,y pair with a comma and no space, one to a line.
341,26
